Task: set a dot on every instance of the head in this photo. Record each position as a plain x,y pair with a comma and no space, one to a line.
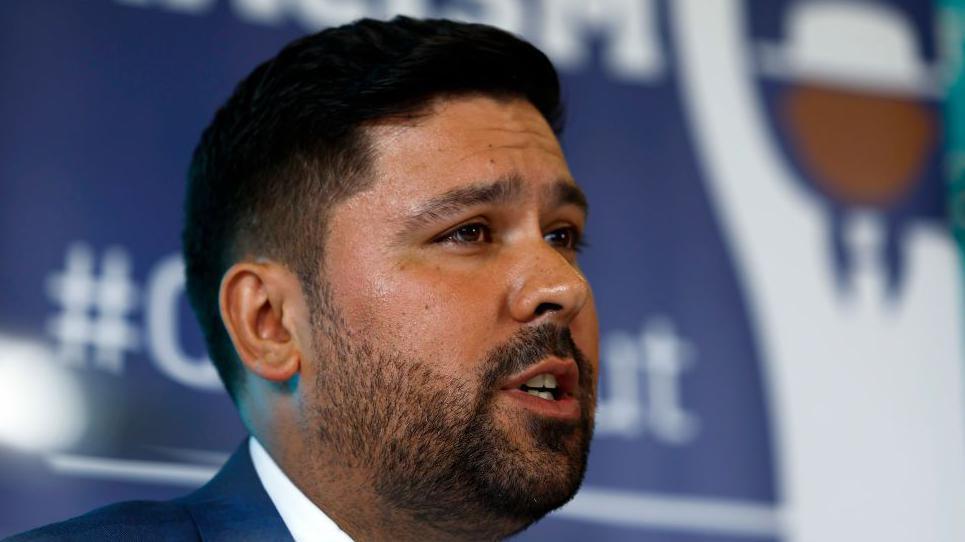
381,245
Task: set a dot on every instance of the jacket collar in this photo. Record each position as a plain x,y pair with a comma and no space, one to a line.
234,506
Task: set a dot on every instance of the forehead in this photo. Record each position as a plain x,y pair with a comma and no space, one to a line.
463,141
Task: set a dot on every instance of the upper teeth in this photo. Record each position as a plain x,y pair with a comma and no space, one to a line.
542,381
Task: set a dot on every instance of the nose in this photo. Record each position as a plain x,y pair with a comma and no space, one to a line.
546,286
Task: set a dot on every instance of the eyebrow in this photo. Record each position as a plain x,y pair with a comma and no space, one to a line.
504,190
501,191
567,193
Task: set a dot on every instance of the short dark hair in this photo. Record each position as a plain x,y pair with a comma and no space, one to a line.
290,142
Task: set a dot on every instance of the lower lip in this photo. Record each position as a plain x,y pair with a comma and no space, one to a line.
566,408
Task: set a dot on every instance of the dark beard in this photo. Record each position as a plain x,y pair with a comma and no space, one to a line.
434,447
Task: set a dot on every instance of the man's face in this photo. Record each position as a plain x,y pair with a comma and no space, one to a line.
446,287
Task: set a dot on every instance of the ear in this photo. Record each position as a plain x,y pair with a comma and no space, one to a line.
257,305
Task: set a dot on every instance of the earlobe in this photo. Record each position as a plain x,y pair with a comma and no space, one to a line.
254,300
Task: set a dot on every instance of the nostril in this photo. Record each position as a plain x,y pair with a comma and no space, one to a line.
543,308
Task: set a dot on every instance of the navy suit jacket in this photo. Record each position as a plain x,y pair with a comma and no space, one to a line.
233,506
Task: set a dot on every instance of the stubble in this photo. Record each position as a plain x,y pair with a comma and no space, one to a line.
433,448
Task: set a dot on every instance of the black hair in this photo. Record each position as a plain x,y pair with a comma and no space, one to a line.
290,142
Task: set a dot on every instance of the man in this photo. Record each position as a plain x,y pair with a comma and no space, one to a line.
381,242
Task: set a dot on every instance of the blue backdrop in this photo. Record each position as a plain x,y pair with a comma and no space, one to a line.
779,298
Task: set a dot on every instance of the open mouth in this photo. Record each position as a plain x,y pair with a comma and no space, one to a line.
548,388
552,379
543,386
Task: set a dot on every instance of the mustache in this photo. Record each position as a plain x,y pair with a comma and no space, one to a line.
528,347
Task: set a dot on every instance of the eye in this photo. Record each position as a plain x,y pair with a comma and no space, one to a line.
568,238
467,234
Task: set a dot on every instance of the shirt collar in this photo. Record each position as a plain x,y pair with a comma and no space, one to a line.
305,521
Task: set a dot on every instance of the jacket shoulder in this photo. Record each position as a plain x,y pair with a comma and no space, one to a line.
133,520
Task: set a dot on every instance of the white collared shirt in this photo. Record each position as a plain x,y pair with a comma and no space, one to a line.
305,521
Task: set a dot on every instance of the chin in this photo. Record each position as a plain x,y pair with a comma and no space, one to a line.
541,474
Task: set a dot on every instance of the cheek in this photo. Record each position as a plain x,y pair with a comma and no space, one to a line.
444,318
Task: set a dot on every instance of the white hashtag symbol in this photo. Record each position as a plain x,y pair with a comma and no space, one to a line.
94,310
